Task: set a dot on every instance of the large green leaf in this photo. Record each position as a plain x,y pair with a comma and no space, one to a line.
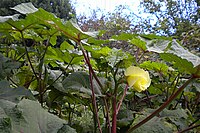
21,24
39,18
66,46
155,125
5,18
116,56
167,122
123,36
124,117
177,117
78,82
182,65
68,28
167,46
137,41
6,66
97,41
97,51
156,66
29,117
25,8
157,45
12,26
153,36
180,51
55,54
13,94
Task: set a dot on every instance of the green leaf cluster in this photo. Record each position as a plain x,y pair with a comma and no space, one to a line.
48,64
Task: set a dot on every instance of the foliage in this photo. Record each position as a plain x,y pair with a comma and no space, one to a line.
176,118
173,17
81,77
61,8
178,19
112,23
13,94
29,116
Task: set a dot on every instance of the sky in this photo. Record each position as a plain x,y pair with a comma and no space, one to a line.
85,7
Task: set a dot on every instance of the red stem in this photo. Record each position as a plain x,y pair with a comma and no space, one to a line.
189,128
120,102
94,98
96,78
114,117
164,105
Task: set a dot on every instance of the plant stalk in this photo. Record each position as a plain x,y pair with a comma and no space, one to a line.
27,55
99,83
189,128
94,100
164,105
122,98
114,117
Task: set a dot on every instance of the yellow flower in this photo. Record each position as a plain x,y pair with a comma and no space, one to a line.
138,78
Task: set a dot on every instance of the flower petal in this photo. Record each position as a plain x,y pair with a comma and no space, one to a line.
132,80
138,87
134,70
137,78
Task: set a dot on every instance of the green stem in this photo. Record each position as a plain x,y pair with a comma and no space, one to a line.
40,83
13,82
176,82
167,93
141,56
197,120
69,115
136,54
196,102
20,56
27,55
164,105
173,108
61,73
121,100
148,98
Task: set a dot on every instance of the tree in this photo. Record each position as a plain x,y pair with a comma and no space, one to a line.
173,17
61,8
177,18
113,23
